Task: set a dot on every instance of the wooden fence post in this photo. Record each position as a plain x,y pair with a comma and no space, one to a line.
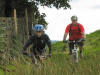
26,17
15,19
27,27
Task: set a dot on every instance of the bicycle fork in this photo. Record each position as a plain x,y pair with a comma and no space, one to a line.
75,53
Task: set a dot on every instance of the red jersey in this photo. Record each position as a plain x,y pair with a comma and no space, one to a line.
75,33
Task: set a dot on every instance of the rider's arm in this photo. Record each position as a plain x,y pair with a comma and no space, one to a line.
84,35
65,36
83,31
66,32
28,43
48,41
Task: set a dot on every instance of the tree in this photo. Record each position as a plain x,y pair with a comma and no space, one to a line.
7,9
56,3
6,6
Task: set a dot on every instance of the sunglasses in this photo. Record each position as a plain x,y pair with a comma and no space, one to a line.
74,20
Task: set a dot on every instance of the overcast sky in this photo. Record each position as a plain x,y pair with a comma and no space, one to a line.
88,12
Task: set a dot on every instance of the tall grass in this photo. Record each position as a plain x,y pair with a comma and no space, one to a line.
60,64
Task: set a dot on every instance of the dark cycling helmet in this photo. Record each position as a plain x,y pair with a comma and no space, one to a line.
39,28
74,18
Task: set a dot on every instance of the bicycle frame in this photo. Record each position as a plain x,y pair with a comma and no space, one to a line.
75,50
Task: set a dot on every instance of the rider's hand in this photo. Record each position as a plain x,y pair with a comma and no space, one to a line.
83,39
24,52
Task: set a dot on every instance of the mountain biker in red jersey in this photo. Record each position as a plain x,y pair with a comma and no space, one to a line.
76,32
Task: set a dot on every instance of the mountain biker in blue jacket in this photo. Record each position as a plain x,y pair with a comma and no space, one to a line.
38,42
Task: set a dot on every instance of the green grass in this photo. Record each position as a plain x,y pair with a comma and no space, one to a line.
1,72
61,63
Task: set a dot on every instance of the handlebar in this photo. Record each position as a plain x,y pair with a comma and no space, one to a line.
81,40
75,41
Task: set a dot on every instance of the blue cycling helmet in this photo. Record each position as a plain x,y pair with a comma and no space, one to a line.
39,28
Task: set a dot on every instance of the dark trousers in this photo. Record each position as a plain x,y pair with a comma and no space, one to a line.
36,54
80,44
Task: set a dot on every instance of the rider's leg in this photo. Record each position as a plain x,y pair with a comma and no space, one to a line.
35,56
43,53
42,56
70,48
81,44
33,59
39,53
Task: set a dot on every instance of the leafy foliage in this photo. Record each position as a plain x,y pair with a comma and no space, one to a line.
21,5
49,3
56,3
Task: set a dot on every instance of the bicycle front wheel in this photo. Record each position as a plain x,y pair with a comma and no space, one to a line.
76,57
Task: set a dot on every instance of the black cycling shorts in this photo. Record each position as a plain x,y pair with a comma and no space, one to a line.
78,43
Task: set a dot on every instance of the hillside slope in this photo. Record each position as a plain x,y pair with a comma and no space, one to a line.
61,63
92,44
